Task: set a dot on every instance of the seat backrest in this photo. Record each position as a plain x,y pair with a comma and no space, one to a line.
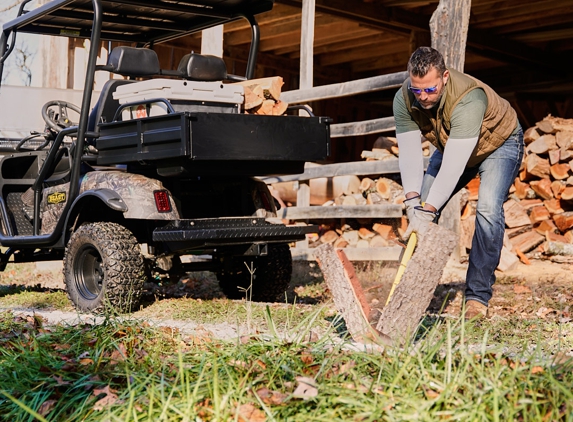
106,105
199,67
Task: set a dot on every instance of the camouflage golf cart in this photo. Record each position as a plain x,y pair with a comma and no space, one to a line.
162,167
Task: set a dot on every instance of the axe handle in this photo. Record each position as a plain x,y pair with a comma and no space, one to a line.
405,258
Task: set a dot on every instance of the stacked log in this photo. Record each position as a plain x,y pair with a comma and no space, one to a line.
539,211
386,147
262,96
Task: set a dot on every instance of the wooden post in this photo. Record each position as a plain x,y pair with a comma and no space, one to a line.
449,30
307,44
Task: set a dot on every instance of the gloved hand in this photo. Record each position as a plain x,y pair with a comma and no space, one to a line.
411,204
420,222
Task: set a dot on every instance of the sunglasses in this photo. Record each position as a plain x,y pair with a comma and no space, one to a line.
418,91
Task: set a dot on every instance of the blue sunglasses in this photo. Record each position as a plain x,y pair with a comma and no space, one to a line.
418,91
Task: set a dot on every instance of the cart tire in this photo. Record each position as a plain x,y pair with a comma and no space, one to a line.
104,269
270,279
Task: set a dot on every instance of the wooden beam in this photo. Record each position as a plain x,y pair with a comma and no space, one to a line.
306,44
341,41
362,53
345,89
341,211
365,127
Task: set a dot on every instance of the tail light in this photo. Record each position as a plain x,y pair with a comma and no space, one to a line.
162,202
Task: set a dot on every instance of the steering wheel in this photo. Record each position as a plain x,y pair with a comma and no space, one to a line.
58,119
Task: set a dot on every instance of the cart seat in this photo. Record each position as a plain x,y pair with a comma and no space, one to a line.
197,67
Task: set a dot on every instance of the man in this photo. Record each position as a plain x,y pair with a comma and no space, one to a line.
475,131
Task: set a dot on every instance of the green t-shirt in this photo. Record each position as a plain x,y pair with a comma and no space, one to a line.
465,121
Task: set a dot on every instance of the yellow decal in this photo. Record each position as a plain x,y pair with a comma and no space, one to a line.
57,198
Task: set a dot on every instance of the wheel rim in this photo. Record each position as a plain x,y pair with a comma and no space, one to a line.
88,272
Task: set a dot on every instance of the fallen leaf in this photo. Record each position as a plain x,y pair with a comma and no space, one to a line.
109,399
537,370
543,312
431,394
61,381
46,407
86,361
306,388
270,396
346,366
118,355
60,347
249,413
306,357
519,289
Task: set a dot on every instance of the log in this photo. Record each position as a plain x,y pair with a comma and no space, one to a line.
543,144
553,206
564,139
347,293
567,194
329,237
373,198
280,108
389,189
515,214
564,221
546,226
271,86
378,242
557,187
400,317
384,230
565,154
530,203
366,184
507,260
554,156
530,135
546,126
558,248
521,188
340,243
542,188
253,96
364,233
538,214
266,108
473,188
321,189
536,166
569,236
560,171
522,256
527,241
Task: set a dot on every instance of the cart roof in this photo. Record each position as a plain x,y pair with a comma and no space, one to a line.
132,20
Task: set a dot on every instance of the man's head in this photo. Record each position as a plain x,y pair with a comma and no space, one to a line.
428,76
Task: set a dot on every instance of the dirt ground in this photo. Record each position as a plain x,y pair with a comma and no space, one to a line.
543,289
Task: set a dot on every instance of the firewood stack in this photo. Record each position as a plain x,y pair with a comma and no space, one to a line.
539,211
262,96
386,147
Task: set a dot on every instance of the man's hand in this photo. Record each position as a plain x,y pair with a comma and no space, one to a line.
420,222
411,204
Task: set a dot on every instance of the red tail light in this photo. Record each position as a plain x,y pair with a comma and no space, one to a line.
162,201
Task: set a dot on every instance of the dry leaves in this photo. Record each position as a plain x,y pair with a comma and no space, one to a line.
109,399
306,389
519,289
271,397
249,413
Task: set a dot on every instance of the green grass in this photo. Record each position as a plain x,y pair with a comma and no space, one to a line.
451,372
16,297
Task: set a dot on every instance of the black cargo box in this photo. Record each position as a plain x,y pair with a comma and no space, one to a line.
214,137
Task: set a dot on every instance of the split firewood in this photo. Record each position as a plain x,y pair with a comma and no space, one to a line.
265,108
567,193
530,135
554,156
377,154
253,96
467,229
364,233
385,142
522,189
329,237
557,187
538,214
543,144
351,237
564,139
527,241
530,203
507,261
384,230
271,86
560,171
366,184
279,108
373,198
546,226
569,236
378,241
340,243
553,206
565,154
546,126
362,243
564,221
515,214
542,188
537,166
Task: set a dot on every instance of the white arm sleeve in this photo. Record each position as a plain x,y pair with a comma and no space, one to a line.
456,156
411,160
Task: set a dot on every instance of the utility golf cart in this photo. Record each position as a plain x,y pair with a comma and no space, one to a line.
161,167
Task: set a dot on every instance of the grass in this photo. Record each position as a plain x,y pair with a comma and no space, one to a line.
128,371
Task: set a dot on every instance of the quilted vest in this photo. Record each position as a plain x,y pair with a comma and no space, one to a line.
499,121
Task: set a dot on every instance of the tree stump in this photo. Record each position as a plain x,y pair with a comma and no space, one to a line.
412,296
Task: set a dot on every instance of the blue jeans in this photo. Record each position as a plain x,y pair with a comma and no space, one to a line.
497,172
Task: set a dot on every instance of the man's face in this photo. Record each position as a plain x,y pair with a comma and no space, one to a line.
429,89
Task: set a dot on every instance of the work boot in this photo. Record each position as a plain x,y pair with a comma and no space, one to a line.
475,310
